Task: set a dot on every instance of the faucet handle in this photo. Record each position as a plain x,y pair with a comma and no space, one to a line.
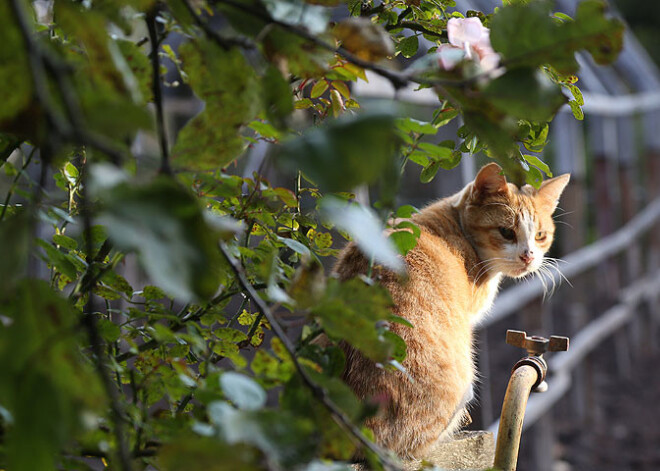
536,345
558,343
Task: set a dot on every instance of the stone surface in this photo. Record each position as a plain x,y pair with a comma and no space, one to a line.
468,450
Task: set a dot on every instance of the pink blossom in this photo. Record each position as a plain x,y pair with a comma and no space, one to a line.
463,32
473,39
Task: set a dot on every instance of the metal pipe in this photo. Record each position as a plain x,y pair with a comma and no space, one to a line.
520,386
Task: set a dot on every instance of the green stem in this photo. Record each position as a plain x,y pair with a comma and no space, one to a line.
14,183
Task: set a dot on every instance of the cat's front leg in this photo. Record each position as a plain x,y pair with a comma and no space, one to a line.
460,417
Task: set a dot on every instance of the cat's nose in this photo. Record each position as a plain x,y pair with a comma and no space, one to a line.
526,257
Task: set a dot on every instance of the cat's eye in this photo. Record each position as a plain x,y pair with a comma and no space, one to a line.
540,236
507,233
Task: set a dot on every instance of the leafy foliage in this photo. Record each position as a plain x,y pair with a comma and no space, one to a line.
225,348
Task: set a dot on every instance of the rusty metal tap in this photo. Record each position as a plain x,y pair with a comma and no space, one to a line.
527,375
536,346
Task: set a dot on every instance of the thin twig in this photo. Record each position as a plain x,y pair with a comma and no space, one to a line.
223,42
88,280
339,415
15,182
158,92
96,343
411,25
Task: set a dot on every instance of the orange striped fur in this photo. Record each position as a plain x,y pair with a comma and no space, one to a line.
468,241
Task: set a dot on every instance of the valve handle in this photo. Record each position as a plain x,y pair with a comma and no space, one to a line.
536,345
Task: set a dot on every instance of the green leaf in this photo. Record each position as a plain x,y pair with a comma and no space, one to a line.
399,352
534,160
163,222
576,109
364,228
294,245
270,370
65,241
443,116
153,292
58,260
140,66
526,35
404,241
534,177
228,85
526,94
243,391
230,335
342,88
400,320
109,331
577,94
208,454
266,130
319,88
285,438
350,310
428,173
408,46
46,398
413,125
16,89
106,87
406,211
345,153
277,96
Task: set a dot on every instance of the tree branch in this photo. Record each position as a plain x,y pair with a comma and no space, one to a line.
397,79
411,25
340,417
96,343
158,92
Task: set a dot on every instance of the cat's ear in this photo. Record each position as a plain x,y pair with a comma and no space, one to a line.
490,180
551,190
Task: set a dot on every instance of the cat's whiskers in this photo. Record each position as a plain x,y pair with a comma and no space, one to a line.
554,263
488,260
565,213
486,265
564,223
543,272
538,273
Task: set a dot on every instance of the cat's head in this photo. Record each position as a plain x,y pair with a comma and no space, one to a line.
511,228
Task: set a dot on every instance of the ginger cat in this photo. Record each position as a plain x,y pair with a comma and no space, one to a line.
468,241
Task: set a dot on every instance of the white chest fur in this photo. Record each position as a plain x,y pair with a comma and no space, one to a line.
484,298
